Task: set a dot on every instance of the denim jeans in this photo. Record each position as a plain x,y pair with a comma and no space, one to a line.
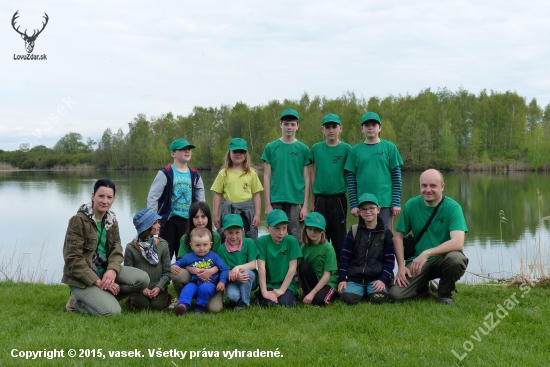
238,291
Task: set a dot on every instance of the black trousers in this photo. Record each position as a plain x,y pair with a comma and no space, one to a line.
172,232
308,280
335,210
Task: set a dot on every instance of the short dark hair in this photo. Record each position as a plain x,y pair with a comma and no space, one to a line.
104,182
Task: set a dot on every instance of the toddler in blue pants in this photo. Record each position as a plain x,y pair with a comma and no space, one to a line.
201,286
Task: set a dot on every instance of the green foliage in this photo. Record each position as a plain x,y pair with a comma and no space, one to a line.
442,128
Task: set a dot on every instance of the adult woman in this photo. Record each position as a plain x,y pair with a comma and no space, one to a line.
152,255
93,257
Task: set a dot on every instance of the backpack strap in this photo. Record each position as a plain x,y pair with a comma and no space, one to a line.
354,230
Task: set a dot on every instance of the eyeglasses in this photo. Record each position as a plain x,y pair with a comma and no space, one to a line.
368,209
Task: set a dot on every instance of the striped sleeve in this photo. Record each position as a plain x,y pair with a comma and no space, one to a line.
352,189
396,187
345,257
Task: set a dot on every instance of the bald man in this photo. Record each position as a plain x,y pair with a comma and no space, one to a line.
438,254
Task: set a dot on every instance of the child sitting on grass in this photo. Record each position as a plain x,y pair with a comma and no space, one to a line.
318,269
277,262
201,258
368,256
240,256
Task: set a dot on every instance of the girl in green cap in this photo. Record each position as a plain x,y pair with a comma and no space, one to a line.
318,268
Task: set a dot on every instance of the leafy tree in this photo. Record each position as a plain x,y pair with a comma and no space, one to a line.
71,144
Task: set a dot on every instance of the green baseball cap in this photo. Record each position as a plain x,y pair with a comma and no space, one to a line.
238,144
275,217
180,143
331,117
371,116
290,112
367,198
232,220
316,220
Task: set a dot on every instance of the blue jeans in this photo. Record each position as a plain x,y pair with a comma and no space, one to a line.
359,289
238,291
203,292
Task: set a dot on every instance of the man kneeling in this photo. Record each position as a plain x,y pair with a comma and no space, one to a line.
438,251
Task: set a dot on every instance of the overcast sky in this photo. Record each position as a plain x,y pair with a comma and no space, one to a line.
110,60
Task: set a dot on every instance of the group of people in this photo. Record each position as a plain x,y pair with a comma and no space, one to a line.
219,252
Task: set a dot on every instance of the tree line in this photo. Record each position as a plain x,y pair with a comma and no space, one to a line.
443,129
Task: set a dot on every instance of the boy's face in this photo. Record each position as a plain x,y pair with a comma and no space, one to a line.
278,232
371,129
331,130
201,245
182,155
369,211
233,235
289,127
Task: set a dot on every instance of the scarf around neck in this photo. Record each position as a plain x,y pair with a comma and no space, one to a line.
108,219
148,249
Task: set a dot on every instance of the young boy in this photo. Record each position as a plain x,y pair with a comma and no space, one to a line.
202,258
174,189
368,256
329,181
277,262
286,173
374,166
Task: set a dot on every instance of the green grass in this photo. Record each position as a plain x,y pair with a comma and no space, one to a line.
416,333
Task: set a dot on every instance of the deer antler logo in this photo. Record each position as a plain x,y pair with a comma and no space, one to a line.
29,40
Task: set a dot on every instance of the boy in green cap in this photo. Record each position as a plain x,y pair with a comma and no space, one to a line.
329,182
286,173
277,262
172,192
368,256
374,166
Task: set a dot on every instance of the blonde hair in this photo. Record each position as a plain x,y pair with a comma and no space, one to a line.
200,232
307,241
229,164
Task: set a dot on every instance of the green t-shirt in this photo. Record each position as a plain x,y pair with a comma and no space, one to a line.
322,258
184,249
277,258
248,253
287,170
449,217
101,244
330,178
372,164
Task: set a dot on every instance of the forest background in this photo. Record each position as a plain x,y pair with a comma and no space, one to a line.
443,129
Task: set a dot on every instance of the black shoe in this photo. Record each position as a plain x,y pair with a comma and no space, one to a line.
181,309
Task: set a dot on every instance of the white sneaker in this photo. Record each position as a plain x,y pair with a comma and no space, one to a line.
173,304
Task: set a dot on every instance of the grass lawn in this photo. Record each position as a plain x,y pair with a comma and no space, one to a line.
416,333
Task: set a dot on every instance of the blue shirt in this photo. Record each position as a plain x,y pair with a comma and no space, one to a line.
181,193
207,261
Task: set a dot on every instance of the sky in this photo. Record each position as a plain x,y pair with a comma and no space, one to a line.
108,61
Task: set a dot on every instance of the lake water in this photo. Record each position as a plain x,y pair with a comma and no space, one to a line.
36,206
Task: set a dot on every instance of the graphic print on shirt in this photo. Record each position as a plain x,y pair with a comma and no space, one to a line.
203,264
181,197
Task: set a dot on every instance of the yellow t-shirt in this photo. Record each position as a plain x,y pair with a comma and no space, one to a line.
235,188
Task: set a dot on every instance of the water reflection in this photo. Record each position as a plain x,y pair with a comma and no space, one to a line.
38,204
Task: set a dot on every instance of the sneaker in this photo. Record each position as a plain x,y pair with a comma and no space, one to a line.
173,304
434,285
181,309
199,310
239,306
69,306
445,300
